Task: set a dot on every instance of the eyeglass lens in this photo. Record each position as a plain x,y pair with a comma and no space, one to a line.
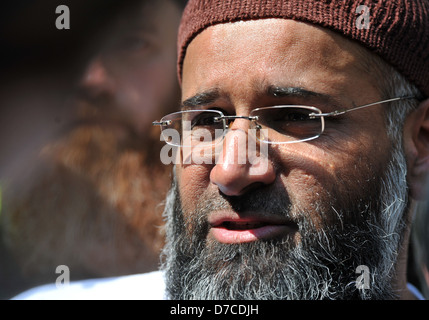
284,124
288,124
194,128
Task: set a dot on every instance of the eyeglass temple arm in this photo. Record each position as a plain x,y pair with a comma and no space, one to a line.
230,118
161,123
340,112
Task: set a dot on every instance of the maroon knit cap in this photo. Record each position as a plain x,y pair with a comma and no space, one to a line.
398,29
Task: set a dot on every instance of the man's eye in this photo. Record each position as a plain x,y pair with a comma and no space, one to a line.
134,43
296,116
204,120
290,116
130,44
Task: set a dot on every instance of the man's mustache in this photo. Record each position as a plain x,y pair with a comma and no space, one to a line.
101,110
265,202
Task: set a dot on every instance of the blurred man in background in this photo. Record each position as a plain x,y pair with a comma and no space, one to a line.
80,176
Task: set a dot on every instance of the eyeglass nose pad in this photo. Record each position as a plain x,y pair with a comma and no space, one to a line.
259,133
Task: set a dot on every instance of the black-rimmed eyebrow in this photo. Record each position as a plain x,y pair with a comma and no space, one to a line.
208,97
298,92
201,99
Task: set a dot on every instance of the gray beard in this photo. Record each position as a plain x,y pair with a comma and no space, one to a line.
366,230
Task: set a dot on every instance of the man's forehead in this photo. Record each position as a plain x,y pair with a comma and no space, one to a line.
268,35
272,51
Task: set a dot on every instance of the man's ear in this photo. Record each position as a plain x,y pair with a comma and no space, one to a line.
416,134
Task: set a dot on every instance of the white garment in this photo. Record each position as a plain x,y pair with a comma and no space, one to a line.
147,286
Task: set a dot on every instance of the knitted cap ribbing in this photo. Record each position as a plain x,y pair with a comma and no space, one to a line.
398,29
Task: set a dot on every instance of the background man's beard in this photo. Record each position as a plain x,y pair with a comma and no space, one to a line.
90,201
363,231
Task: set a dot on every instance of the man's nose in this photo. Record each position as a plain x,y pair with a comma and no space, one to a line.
240,167
96,78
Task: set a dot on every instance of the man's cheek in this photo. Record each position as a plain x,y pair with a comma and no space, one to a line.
305,192
193,181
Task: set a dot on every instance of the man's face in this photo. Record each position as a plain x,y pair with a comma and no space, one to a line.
311,212
131,80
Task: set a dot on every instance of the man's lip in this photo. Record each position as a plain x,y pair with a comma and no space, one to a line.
231,227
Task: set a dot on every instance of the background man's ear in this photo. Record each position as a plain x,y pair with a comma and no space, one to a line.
416,134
